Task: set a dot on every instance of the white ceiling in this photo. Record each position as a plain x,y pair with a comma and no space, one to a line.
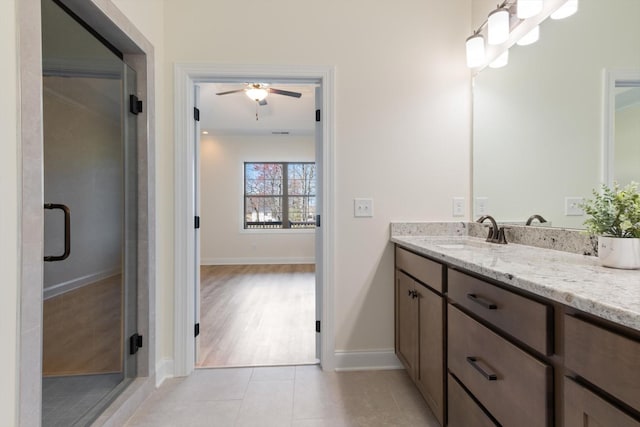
236,113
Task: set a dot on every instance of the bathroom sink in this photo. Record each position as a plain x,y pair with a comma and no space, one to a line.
453,246
463,244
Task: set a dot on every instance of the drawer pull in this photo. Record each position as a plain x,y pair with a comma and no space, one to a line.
483,302
474,362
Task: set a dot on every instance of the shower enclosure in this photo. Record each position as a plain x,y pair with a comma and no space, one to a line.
91,238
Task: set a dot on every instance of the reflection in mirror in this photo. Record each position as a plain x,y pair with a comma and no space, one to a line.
626,141
538,122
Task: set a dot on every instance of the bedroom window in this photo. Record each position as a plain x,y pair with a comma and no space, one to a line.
279,195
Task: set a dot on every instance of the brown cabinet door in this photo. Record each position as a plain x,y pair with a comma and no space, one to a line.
406,322
463,411
604,358
430,375
582,408
512,385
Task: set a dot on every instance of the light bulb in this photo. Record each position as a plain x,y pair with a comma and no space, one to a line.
498,26
257,93
566,10
475,51
529,8
531,37
501,60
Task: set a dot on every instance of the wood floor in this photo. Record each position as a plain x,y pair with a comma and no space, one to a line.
83,330
257,315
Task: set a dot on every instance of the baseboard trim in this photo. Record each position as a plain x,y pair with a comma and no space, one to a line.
256,261
70,285
126,404
164,370
366,360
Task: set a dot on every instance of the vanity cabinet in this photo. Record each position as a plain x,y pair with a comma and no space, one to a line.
463,410
524,319
484,353
511,384
420,325
606,359
583,408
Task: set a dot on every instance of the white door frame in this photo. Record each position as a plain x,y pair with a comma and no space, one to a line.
187,75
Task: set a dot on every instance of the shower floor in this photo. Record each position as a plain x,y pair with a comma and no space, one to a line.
66,400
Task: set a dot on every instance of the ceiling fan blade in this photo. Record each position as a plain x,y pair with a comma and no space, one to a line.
230,91
285,92
263,102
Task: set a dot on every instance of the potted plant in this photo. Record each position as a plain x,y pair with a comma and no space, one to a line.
615,219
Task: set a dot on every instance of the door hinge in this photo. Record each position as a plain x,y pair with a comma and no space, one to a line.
317,326
196,114
318,220
196,222
135,342
196,330
317,115
135,105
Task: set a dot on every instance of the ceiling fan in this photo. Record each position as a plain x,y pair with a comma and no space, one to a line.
258,92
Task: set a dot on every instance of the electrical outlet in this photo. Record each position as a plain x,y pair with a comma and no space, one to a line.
482,205
458,206
572,206
362,208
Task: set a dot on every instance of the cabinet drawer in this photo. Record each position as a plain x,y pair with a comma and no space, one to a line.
526,320
606,359
463,411
584,408
512,385
423,269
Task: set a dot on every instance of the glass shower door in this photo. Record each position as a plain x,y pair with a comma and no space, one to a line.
90,188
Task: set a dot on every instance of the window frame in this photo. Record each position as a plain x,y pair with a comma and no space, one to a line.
285,223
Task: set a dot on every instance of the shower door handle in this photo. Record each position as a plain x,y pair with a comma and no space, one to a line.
67,232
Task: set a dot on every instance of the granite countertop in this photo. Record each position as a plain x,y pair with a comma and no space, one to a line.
572,279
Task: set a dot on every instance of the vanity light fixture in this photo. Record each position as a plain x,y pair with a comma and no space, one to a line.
501,60
528,8
498,25
475,50
566,10
531,37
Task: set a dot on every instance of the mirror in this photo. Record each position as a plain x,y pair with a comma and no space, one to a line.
540,122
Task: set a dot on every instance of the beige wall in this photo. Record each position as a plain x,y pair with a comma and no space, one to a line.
402,125
9,257
222,239
402,114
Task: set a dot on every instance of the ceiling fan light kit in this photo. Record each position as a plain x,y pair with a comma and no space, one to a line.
259,91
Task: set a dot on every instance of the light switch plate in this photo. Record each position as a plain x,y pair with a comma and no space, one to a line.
362,208
572,206
482,206
458,206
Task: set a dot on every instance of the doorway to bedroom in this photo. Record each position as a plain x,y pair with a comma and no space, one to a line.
257,204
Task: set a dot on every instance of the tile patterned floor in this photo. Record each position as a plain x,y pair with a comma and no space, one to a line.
290,396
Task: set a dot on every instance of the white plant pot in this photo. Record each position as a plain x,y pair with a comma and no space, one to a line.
619,252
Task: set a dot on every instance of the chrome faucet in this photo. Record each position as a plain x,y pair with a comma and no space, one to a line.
536,216
496,234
